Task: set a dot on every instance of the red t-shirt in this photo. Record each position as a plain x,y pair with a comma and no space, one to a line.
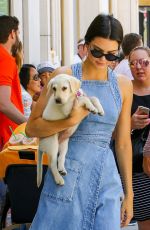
9,77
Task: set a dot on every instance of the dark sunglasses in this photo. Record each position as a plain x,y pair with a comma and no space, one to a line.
36,77
98,54
142,62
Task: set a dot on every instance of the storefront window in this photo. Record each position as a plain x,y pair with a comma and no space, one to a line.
4,7
144,24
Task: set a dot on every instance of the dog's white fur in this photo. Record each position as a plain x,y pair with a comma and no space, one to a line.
62,90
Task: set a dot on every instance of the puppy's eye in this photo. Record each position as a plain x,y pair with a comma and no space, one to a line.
64,88
54,88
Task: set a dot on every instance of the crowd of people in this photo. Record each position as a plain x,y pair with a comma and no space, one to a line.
114,68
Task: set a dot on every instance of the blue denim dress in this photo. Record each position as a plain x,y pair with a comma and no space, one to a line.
90,198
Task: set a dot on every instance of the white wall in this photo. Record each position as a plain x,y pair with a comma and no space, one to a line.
45,30
31,26
87,12
104,6
67,31
127,12
16,10
56,31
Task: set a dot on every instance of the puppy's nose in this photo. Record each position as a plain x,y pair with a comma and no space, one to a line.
58,100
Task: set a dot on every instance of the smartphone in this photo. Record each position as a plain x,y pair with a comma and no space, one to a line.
144,110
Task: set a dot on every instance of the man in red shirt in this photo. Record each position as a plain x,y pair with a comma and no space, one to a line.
11,107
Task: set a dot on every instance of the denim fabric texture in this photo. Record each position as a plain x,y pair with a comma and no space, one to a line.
90,198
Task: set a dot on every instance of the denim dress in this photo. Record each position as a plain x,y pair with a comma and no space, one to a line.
90,198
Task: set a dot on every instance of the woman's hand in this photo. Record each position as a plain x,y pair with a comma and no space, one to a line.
139,121
126,211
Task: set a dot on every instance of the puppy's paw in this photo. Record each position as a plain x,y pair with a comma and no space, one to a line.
92,109
95,101
101,112
59,180
62,171
61,166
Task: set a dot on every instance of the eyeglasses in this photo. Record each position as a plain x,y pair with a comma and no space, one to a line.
98,54
142,62
36,77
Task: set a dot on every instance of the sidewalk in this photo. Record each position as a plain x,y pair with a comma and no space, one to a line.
135,227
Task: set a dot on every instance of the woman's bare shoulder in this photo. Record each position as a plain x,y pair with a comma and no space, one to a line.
125,85
124,81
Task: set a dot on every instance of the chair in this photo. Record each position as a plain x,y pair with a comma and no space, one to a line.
23,194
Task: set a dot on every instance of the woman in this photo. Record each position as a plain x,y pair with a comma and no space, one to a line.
30,82
139,60
19,55
90,198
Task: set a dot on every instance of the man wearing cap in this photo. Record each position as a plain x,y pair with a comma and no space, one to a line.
82,51
45,70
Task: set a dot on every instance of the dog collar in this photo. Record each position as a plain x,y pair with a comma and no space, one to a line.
79,93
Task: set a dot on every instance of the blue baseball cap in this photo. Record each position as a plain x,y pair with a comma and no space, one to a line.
45,67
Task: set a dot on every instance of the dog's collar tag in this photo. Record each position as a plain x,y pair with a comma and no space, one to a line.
79,93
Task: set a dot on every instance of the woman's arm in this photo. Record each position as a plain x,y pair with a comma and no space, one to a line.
123,147
38,127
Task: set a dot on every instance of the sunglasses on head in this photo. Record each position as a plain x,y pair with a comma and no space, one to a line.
142,62
36,77
98,54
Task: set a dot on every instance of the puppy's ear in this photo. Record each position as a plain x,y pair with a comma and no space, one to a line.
49,87
75,84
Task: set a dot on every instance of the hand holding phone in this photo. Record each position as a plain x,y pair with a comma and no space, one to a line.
143,110
140,118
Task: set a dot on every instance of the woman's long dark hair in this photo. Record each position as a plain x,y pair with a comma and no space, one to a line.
25,75
105,26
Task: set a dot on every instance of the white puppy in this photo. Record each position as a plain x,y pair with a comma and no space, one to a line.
62,91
